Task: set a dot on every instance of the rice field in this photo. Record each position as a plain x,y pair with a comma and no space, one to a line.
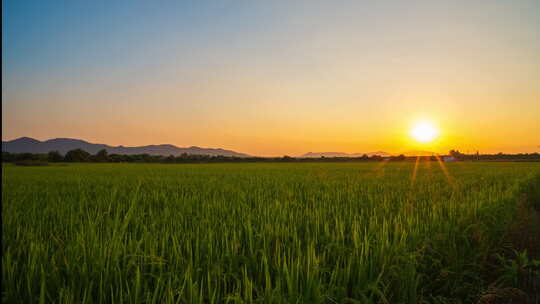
254,233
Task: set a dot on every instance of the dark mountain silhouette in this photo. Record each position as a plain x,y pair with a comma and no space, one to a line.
63,145
342,154
379,153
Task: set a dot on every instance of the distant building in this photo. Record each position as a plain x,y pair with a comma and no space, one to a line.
449,158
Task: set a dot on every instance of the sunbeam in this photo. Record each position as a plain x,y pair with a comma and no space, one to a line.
445,171
415,170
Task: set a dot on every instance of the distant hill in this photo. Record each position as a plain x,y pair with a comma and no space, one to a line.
342,154
63,145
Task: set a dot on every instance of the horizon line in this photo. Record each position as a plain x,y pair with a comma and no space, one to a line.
348,154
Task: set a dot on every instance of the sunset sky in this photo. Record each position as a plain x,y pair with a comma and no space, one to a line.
274,77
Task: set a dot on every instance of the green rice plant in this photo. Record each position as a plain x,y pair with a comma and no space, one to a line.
519,270
254,233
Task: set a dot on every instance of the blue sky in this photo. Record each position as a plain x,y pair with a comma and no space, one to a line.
273,77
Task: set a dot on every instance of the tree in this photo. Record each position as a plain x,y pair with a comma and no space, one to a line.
102,156
54,157
77,155
7,157
376,157
454,153
287,158
117,158
26,156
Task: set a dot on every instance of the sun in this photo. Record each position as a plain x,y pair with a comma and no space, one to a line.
424,132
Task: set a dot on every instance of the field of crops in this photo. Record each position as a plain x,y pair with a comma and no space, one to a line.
271,233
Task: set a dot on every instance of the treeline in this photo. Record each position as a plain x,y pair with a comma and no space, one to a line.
79,155
494,157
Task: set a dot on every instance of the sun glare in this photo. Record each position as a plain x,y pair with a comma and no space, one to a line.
424,132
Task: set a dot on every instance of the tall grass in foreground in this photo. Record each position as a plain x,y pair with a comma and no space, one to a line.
270,233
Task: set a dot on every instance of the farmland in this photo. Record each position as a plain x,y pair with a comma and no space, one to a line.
272,233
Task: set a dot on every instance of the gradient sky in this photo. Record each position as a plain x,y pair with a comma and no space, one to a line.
274,77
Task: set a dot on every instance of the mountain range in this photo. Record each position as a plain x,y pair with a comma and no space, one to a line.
63,145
